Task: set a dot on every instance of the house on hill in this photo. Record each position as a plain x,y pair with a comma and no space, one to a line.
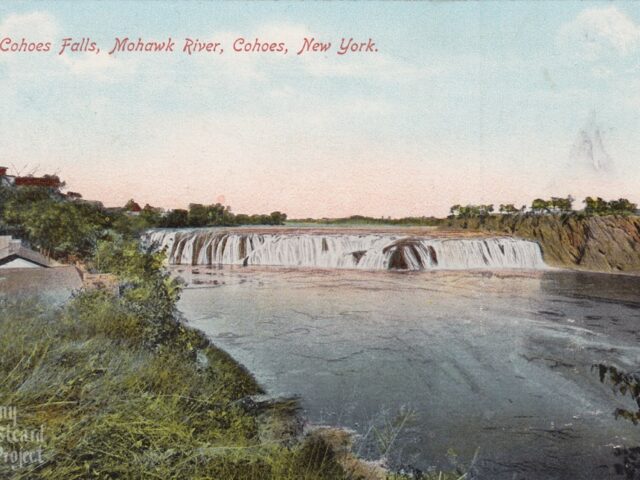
14,255
48,181
25,273
132,208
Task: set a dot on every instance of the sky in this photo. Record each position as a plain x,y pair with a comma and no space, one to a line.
463,102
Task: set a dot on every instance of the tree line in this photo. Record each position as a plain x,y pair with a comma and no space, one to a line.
66,227
554,205
199,215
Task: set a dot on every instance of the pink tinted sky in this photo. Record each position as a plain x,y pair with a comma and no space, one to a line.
473,103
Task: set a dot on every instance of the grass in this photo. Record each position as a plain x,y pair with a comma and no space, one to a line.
112,407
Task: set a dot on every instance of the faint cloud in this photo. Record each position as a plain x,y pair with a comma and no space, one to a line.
602,72
377,66
40,26
103,67
34,27
600,31
252,66
633,95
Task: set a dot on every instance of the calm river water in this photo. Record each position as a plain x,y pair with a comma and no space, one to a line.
493,363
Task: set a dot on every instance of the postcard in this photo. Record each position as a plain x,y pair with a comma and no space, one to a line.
319,240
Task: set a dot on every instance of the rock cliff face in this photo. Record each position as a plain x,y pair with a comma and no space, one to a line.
606,244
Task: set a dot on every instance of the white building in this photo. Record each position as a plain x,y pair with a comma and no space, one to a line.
14,255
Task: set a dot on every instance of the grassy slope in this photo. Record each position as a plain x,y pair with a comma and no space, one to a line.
113,407
125,390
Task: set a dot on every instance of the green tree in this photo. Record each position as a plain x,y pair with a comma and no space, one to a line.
151,216
177,218
622,206
146,288
60,229
278,218
508,209
561,205
198,215
595,206
540,205
599,206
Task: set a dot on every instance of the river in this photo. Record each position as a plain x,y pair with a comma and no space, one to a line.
424,364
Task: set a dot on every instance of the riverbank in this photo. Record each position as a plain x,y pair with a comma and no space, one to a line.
118,386
109,405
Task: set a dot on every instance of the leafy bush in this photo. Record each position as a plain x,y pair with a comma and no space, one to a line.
58,228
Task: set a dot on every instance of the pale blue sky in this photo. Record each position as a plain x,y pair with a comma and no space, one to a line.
464,102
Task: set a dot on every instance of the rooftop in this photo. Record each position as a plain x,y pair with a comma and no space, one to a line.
12,249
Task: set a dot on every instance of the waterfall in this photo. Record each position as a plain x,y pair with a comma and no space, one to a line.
368,251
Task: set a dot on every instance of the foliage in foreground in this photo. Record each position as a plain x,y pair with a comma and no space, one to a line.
124,390
114,408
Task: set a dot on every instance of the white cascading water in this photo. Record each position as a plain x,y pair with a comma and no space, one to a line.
343,250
